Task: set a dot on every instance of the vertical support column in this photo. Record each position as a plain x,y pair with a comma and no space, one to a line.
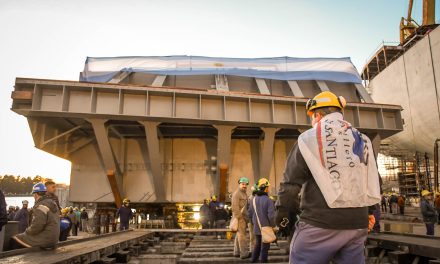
223,157
266,151
113,172
152,138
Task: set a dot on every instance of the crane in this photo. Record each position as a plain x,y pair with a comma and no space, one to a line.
408,26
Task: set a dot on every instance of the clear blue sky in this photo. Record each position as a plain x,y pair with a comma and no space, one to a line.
52,38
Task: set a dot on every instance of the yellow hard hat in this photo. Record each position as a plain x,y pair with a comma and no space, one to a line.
263,183
126,201
64,211
325,99
426,192
214,198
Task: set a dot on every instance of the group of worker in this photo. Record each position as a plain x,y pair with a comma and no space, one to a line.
213,214
46,223
395,202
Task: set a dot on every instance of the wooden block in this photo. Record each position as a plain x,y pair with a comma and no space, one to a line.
22,95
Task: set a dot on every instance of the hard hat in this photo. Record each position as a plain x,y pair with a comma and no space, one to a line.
214,198
65,210
25,202
126,201
426,192
75,209
39,187
243,180
262,184
325,99
83,209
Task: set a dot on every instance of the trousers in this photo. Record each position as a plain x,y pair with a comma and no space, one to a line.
241,246
316,245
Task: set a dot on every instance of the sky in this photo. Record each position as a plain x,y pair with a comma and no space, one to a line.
51,39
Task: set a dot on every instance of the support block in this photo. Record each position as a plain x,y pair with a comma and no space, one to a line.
135,250
107,260
399,257
372,251
122,256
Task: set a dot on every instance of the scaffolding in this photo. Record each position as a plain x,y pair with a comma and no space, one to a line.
407,174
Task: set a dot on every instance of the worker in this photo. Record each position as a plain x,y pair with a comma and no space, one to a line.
401,203
333,166
44,229
437,206
74,220
254,190
212,207
22,216
125,214
204,214
428,212
11,213
3,218
262,212
239,211
65,224
84,218
51,189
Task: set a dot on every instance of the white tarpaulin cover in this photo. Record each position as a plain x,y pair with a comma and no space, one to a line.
281,68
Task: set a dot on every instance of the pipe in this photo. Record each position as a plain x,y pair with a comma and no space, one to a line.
436,164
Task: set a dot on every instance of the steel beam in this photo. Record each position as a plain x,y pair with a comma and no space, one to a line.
151,133
159,80
322,86
262,86
296,90
266,151
223,153
188,106
113,172
62,135
120,77
363,93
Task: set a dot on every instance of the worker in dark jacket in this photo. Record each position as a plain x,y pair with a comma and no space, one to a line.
65,224
3,218
332,165
265,209
44,229
125,214
22,216
428,212
212,207
204,214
